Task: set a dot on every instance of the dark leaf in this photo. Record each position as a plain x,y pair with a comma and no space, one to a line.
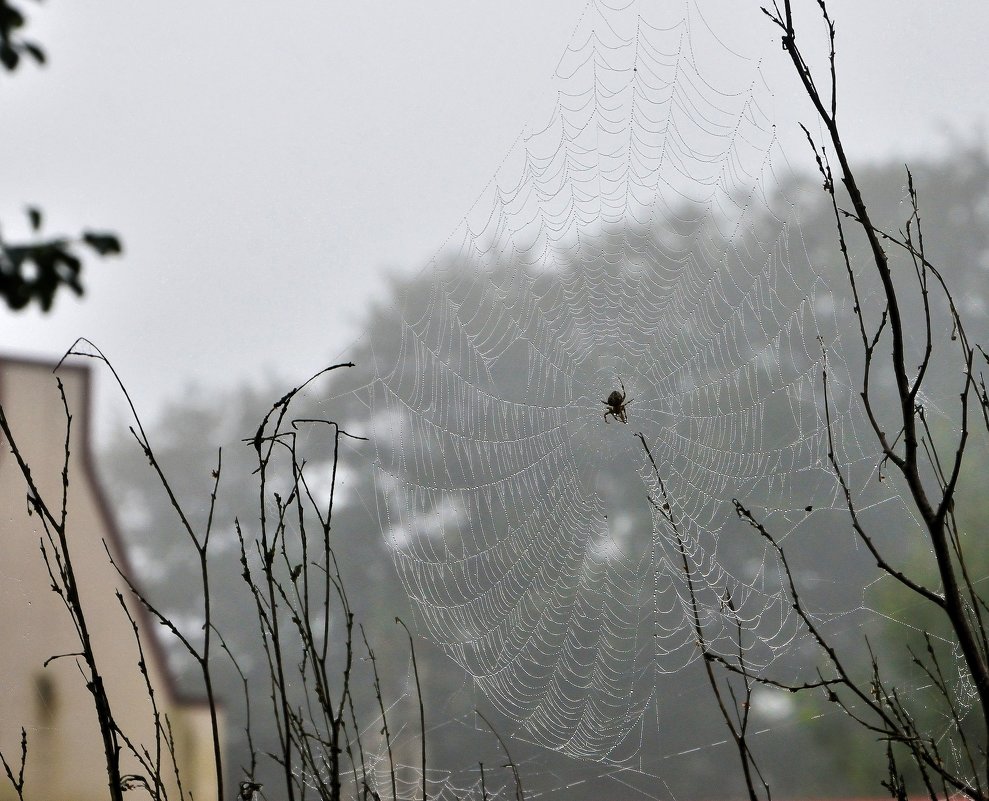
8,56
44,288
10,18
16,255
35,52
70,269
44,257
14,292
103,243
18,297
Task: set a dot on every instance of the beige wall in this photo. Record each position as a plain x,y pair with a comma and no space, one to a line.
65,752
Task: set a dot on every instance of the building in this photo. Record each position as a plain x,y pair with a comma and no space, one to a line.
65,756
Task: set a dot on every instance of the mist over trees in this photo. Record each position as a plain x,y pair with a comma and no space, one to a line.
806,745
803,744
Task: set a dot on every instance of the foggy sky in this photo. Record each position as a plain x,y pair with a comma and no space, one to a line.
264,163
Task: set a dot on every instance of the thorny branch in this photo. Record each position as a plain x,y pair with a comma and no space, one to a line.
932,504
200,542
739,723
321,746
931,475
298,586
64,584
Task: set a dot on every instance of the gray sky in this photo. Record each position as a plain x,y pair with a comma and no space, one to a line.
264,163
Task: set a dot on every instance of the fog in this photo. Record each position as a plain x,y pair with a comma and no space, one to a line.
266,167
293,186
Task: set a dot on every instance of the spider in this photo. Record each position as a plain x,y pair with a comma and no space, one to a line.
616,404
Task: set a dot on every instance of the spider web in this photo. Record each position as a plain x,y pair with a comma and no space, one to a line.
640,239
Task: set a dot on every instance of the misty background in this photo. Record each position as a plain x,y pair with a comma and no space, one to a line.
279,176
287,158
